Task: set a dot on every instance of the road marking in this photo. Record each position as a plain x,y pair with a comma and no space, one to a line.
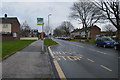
63,57
101,52
57,58
90,60
59,70
97,51
63,52
69,58
78,57
51,52
59,52
106,68
57,66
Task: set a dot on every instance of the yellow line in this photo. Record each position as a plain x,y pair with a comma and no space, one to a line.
106,68
69,58
78,57
59,70
63,57
90,60
59,52
63,52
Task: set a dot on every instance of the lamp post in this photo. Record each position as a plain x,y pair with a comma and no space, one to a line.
49,21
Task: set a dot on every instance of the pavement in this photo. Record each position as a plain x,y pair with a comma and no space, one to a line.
30,62
85,61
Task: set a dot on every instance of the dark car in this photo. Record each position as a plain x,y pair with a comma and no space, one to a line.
117,46
104,41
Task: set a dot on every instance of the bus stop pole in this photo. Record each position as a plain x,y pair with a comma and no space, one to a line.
42,38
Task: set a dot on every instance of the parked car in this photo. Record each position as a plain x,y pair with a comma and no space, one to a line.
117,46
104,41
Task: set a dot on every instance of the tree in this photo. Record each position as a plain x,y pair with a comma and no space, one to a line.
109,29
25,29
111,10
58,32
86,13
64,29
47,29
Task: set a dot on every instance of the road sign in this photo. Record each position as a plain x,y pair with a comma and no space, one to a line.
39,21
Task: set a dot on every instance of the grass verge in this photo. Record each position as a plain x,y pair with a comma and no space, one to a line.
49,42
9,47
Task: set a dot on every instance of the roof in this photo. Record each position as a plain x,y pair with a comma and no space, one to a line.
83,29
9,20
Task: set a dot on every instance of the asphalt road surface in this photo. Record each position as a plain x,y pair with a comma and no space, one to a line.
80,60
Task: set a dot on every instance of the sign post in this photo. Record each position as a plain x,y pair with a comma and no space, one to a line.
40,22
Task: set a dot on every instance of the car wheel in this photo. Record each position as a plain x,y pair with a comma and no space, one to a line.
96,44
104,46
115,47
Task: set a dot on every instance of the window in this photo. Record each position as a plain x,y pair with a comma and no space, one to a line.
14,34
5,25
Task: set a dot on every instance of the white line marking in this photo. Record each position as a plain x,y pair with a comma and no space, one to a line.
90,60
51,52
106,68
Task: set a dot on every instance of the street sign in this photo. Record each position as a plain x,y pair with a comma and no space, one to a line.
40,21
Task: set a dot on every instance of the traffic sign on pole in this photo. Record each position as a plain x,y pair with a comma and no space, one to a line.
40,21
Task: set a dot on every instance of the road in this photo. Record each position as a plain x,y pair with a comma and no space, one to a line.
80,60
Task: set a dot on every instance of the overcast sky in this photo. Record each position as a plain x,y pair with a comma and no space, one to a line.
30,10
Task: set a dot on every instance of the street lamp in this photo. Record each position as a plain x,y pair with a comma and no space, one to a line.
48,19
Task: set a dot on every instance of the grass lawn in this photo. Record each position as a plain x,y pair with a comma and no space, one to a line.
49,42
9,47
0,49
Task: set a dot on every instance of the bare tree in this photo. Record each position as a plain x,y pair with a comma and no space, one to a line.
47,29
58,32
64,29
86,13
25,29
112,12
110,29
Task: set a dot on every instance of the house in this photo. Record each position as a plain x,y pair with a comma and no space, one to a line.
10,28
92,32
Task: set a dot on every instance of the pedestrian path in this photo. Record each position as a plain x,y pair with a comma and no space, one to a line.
27,63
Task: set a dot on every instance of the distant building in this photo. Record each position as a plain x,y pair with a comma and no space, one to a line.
92,32
10,28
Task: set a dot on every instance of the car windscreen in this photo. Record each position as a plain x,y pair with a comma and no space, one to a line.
106,39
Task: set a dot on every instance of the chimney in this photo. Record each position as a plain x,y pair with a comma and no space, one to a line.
5,15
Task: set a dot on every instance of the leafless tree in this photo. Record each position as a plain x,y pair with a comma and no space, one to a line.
25,29
112,12
64,29
58,32
86,13
47,29
110,29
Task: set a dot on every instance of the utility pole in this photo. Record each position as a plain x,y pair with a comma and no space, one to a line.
40,22
49,21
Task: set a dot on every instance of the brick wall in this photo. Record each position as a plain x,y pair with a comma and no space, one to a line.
94,31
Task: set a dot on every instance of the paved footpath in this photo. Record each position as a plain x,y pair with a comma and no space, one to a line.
27,63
